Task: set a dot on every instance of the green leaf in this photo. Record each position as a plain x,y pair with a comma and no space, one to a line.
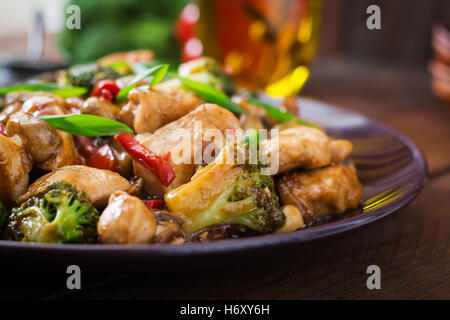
87,125
280,115
159,74
210,94
65,92
156,73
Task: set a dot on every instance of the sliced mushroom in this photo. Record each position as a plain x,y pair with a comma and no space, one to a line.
40,139
98,184
126,220
65,155
15,165
168,227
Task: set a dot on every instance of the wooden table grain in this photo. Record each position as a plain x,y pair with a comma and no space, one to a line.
412,246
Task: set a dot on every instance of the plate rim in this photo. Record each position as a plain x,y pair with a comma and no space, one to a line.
270,241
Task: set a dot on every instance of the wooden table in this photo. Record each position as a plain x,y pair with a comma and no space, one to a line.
412,247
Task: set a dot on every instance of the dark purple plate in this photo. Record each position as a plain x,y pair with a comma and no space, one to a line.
390,167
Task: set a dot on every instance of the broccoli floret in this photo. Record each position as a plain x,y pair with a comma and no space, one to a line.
56,213
228,193
209,71
86,75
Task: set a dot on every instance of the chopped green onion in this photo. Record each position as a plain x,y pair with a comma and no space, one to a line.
157,73
65,92
119,66
87,125
210,94
280,115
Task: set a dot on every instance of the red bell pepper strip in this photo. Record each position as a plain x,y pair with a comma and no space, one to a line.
159,166
153,204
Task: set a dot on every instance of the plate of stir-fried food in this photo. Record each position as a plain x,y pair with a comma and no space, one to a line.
131,155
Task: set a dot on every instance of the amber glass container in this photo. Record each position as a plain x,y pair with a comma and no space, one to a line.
264,44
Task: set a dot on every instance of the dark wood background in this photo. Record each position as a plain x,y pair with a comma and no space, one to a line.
380,74
405,29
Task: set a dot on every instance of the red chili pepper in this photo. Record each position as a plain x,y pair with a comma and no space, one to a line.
2,129
106,89
159,166
153,204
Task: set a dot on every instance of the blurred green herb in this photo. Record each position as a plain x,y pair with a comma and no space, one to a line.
65,92
122,25
120,66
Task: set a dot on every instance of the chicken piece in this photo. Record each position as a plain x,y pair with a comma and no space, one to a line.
305,147
126,220
147,111
251,121
321,192
43,105
100,107
74,104
65,155
14,102
98,184
8,111
340,150
170,139
22,96
15,165
40,139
